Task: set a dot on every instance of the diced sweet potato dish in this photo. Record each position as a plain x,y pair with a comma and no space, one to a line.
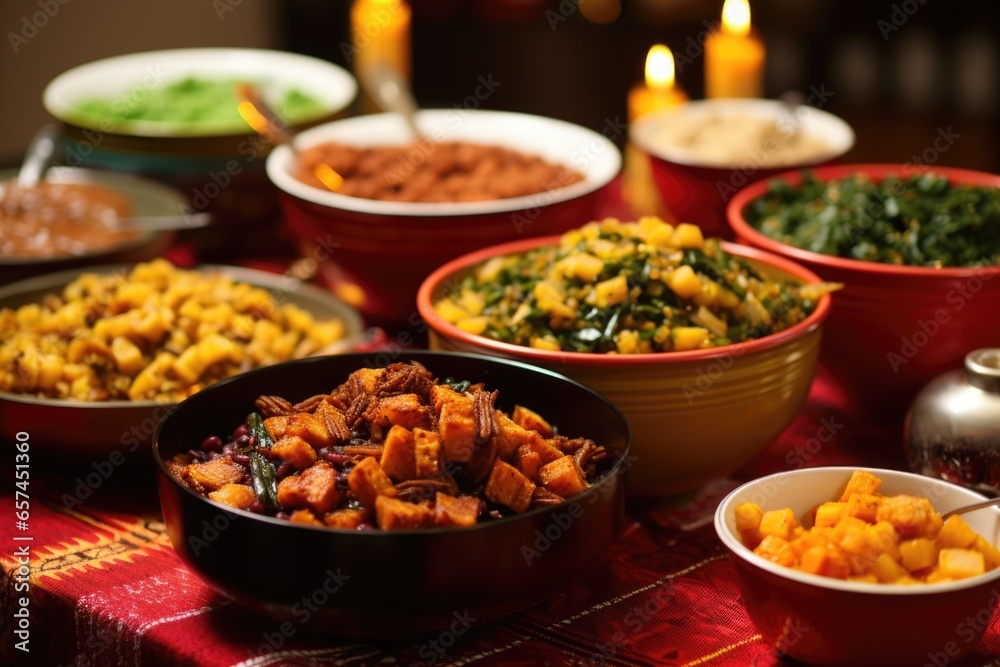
867,536
393,449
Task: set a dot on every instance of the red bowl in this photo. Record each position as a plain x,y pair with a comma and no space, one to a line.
374,254
696,191
892,328
826,621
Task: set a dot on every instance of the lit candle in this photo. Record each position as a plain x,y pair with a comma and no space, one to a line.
734,57
380,35
659,91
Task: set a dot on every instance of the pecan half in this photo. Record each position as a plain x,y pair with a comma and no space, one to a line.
483,416
274,406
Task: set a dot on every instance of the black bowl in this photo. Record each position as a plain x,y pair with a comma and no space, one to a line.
404,584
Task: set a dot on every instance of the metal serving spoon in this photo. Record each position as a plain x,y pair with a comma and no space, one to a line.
38,157
391,91
969,508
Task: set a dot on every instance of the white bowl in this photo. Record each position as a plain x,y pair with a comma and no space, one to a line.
120,77
556,141
855,623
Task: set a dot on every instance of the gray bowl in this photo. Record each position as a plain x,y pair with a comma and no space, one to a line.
85,429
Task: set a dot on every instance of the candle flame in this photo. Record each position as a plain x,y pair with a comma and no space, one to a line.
328,177
254,118
736,17
660,67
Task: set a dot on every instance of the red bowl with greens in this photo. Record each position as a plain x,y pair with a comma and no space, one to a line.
894,327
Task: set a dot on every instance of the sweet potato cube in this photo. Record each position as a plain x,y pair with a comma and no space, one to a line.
779,523
531,420
864,506
314,488
527,461
507,486
956,534
887,570
452,511
393,514
306,517
367,481
547,452
911,516
960,563
310,428
347,519
563,477
215,474
990,553
829,514
365,380
776,550
296,451
918,553
277,426
441,394
748,516
861,481
398,455
427,453
458,430
404,410
239,496
510,436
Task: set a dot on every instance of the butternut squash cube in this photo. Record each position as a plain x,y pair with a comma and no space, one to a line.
398,455
748,516
457,430
887,570
911,516
960,563
688,338
861,481
563,477
508,487
955,533
527,461
393,514
347,519
452,511
306,517
404,410
990,553
864,506
367,481
918,553
296,451
314,488
829,514
239,496
215,474
684,282
426,453
778,523
776,550
532,421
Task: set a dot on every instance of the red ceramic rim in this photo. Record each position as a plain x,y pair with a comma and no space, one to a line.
430,284
734,214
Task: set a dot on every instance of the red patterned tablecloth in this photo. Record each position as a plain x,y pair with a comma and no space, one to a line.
107,589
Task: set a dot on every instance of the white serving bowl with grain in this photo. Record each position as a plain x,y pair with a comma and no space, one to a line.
703,152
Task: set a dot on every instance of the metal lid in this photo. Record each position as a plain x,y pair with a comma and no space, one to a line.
982,368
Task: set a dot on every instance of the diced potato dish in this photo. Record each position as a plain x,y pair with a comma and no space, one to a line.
156,333
864,535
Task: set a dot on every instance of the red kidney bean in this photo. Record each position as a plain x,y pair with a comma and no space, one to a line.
211,443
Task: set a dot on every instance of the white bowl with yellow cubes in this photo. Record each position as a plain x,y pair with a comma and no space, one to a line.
683,334
90,361
855,566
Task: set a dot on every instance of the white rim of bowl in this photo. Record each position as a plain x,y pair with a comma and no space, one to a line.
642,133
332,85
601,159
737,548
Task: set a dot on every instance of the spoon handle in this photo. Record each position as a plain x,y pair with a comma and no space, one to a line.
969,508
38,157
391,91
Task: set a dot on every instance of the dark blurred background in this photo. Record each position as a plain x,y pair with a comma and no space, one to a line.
900,72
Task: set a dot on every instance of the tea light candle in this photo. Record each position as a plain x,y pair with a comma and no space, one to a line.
734,57
380,35
658,91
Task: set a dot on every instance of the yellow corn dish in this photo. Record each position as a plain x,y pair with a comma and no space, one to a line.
156,333
626,288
